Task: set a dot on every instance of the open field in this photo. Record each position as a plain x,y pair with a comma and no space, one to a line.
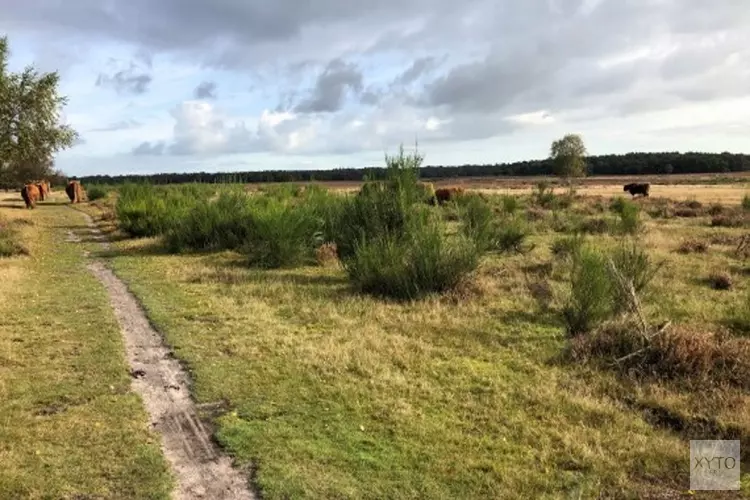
328,392
69,426
706,188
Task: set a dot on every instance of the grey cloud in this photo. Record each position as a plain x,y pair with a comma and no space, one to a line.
331,88
120,125
206,90
126,81
419,67
147,148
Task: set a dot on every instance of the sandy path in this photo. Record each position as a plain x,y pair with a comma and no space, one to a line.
199,467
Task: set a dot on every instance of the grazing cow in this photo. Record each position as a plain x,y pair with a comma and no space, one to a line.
444,195
74,191
30,194
637,188
44,189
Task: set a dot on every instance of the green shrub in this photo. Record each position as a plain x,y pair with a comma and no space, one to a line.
223,224
510,235
629,221
510,204
567,245
146,210
636,267
96,192
381,208
591,292
393,245
602,283
544,195
418,263
746,202
281,235
478,221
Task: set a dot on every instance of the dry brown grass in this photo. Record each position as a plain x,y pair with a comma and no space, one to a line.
720,280
682,353
693,246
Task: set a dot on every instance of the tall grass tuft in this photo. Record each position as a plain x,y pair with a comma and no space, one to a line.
510,204
746,202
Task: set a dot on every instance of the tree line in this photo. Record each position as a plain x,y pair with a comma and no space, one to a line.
625,164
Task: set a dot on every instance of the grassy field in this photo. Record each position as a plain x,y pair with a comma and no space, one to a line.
69,426
330,393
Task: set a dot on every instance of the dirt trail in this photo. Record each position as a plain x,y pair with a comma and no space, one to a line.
199,467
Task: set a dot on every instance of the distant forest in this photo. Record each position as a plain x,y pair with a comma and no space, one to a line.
627,164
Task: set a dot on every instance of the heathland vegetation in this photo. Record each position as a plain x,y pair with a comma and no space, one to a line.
558,344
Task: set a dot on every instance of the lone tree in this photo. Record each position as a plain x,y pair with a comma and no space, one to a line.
569,155
30,128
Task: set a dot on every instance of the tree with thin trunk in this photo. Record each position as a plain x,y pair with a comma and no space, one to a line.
31,131
569,156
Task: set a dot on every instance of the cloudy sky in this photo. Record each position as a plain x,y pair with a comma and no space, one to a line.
221,85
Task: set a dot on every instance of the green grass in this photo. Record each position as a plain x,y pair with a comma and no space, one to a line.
333,394
69,425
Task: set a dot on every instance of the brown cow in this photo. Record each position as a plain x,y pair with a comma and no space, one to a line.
74,192
444,195
44,189
30,194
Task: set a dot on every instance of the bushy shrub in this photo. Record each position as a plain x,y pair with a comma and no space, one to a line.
635,267
222,224
282,235
422,261
591,292
146,210
544,195
478,221
381,208
505,234
601,284
510,235
510,204
629,216
96,192
393,245
567,246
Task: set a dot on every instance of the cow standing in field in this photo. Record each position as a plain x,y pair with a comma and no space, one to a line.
636,188
74,192
44,189
30,195
444,195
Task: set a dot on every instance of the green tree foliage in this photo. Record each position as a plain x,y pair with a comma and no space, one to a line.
30,128
569,156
